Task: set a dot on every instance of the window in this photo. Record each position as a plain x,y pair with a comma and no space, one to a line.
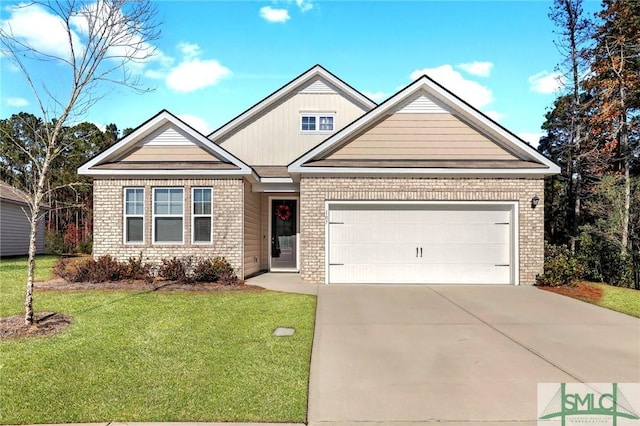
316,122
134,215
168,215
201,215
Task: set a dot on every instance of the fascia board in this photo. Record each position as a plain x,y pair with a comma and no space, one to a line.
161,173
419,172
286,90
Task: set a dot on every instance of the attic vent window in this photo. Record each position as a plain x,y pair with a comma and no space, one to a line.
319,123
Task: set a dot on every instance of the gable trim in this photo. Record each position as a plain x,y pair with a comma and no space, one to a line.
506,139
286,90
132,140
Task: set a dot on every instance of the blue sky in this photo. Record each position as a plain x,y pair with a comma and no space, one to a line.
216,58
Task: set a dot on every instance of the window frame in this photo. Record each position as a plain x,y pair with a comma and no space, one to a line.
125,215
317,116
194,215
154,216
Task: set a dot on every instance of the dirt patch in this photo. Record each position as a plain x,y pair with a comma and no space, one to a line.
45,324
580,291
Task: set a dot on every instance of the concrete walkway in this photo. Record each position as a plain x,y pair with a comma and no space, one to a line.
457,354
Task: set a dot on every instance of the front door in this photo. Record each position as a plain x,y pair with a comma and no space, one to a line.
284,247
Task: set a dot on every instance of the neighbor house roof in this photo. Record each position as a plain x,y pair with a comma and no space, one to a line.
13,194
425,96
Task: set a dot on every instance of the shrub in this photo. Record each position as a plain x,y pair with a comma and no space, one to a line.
217,269
85,247
177,269
105,268
603,259
53,242
560,267
71,238
135,269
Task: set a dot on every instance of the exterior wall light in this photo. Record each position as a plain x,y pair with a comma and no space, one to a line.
534,201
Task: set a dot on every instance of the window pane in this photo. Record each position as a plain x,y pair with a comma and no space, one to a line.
326,123
134,201
175,195
162,195
168,229
135,229
308,123
202,229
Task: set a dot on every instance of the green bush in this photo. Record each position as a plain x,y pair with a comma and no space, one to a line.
603,260
53,242
85,247
217,269
560,267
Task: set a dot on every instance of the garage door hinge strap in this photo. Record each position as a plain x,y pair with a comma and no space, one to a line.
502,223
336,223
502,265
336,264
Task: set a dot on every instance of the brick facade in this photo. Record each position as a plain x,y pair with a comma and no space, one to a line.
314,192
108,237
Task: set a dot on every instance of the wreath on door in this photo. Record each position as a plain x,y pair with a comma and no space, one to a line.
283,212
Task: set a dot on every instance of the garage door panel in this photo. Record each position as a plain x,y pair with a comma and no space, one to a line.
420,243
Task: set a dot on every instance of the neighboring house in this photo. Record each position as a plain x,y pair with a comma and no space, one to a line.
15,223
318,179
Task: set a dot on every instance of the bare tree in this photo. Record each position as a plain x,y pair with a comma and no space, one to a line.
104,42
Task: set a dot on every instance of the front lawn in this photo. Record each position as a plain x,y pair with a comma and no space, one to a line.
625,300
140,356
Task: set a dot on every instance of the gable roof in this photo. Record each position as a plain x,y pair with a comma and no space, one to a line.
114,162
13,194
308,81
426,96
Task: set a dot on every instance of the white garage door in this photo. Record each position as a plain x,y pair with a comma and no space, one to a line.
463,243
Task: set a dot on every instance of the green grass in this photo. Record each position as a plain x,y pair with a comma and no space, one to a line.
625,300
154,356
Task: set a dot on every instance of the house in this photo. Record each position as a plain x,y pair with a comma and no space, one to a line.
318,179
15,223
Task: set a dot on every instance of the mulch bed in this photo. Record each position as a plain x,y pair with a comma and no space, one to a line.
49,323
45,324
579,291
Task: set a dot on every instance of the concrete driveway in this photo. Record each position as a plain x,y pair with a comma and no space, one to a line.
457,354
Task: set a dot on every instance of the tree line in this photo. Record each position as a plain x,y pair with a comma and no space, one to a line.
69,199
593,133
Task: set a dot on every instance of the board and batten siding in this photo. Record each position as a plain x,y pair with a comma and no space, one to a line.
414,136
252,231
15,228
275,138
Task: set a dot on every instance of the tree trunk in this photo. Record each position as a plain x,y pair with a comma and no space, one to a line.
28,301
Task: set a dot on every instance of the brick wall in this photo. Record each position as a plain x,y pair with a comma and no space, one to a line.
315,191
108,225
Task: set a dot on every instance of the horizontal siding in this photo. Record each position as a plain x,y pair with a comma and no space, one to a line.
318,86
168,135
422,105
151,153
275,138
252,231
15,229
421,137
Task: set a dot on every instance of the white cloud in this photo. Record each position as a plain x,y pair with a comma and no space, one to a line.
274,15
494,115
304,5
532,138
189,50
375,96
545,82
17,102
198,123
481,69
476,94
40,30
194,74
